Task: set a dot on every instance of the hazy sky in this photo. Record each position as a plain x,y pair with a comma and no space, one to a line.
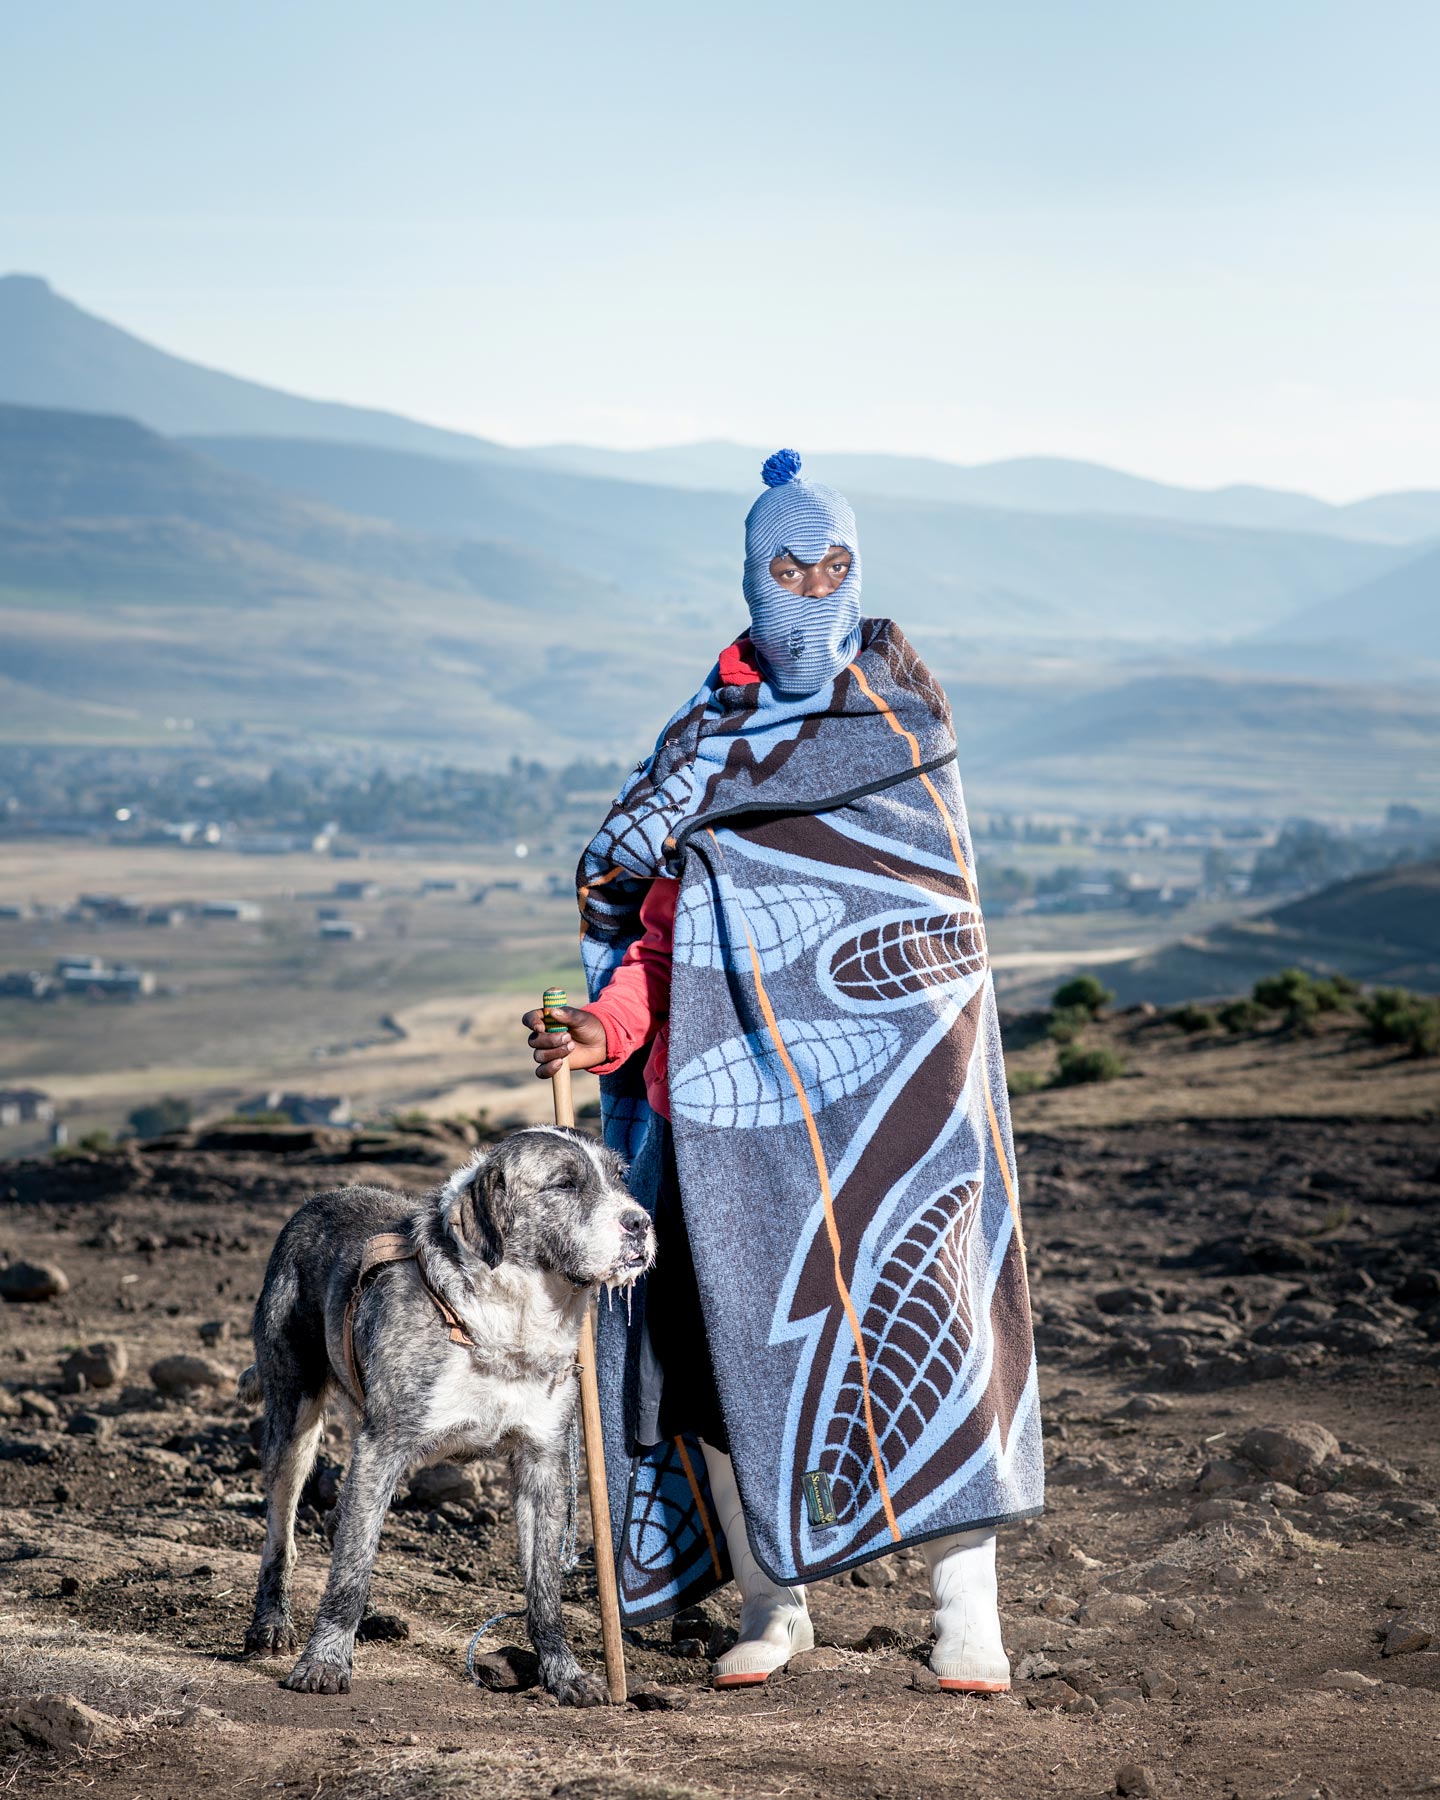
1195,238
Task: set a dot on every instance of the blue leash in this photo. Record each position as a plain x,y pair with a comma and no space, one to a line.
569,1549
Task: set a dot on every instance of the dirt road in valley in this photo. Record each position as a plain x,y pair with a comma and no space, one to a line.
1240,1337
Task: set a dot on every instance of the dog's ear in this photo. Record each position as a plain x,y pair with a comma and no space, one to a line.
486,1213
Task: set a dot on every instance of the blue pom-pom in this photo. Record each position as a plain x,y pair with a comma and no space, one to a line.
783,466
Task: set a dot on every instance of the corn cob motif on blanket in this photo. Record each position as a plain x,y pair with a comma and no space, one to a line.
841,1132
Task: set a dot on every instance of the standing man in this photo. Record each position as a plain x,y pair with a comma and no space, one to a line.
794,1024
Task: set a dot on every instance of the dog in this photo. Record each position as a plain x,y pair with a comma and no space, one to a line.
466,1345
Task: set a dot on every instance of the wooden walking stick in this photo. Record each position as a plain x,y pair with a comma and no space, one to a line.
590,1414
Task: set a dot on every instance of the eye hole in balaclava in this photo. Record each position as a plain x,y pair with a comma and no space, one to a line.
803,642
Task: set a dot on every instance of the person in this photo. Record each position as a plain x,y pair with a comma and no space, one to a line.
838,1305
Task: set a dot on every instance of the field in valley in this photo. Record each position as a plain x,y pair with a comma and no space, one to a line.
421,1012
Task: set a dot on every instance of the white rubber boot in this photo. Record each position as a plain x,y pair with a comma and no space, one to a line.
774,1624
968,1656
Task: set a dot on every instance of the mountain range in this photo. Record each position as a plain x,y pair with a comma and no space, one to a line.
175,539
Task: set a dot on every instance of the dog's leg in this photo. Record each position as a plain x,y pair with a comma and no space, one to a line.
291,1435
324,1665
541,1503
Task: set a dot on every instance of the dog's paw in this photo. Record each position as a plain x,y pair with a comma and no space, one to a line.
276,1637
580,1690
311,1675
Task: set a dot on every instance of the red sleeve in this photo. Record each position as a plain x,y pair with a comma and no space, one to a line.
635,1002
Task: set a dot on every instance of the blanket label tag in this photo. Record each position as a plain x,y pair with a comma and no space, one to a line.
819,1501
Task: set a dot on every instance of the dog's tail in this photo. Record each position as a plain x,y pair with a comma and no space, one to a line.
248,1390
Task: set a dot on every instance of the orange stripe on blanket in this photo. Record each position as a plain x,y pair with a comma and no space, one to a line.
689,1469
930,788
831,1228
944,812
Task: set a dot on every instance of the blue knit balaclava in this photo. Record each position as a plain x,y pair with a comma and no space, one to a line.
802,643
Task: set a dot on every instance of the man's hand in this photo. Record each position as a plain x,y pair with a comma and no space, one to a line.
581,1039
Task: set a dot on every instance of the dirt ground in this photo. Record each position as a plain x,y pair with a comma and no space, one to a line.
1213,1607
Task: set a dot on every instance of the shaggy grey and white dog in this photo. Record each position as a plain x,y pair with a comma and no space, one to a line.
512,1245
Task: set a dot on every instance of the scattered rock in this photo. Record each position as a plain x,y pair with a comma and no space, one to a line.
1345,1681
1065,1552
822,1660
186,1374
35,1405
99,1366
383,1628
1291,1453
1113,1609
1402,1636
69,1587
884,1637
877,1574
1365,1473
924,1680
1419,1288
692,1622
1216,1511
1135,1778
214,1331
1128,1300
1220,1474
1035,1665
1055,1693
1059,1606
1176,1614
660,1699
27,1281
57,1722
509,1670
1144,1406
1158,1684
693,1649
441,1484
91,1425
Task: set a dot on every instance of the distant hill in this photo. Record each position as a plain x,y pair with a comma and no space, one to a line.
1036,484
1382,929
55,354
102,507
1397,610
140,581
1275,746
975,572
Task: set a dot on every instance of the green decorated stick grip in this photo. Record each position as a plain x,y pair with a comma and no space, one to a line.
549,1001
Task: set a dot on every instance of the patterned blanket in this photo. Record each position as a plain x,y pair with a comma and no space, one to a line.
841,1132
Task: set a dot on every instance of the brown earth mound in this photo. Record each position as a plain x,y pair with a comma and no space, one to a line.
1232,1592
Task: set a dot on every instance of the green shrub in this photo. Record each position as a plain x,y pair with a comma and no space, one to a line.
413,1120
95,1140
232,1121
1075,1064
1024,1081
1066,1024
159,1117
1240,1015
1279,993
1296,995
1396,1016
1328,996
1194,1018
1086,992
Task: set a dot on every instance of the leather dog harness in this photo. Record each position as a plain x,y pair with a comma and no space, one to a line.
391,1247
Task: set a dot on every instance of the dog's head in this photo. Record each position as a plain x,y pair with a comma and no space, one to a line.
551,1199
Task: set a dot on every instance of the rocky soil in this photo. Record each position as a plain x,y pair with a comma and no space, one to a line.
1232,1593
